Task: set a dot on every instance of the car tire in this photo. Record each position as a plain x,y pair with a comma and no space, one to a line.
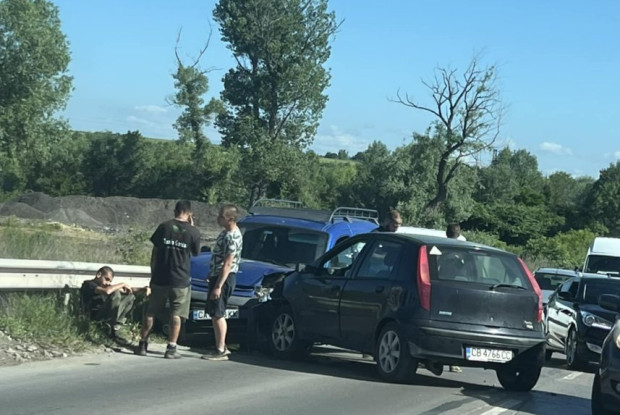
394,363
595,402
518,378
574,361
284,341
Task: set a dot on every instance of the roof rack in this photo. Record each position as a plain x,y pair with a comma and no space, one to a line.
278,203
358,213
294,209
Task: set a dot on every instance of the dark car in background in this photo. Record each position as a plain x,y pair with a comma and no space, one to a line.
409,299
277,236
606,385
577,324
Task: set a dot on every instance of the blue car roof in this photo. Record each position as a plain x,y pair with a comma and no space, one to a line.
362,225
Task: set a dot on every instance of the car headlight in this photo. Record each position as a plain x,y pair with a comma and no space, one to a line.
263,293
592,320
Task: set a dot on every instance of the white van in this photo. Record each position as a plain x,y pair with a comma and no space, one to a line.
425,231
603,256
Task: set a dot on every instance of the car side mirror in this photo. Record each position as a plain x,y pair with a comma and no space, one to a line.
565,295
609,302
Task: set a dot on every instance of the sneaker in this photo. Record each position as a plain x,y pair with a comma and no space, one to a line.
142,348
171,353
217,355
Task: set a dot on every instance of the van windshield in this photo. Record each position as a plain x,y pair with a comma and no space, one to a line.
603,264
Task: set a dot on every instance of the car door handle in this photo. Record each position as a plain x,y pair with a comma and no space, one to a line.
379,289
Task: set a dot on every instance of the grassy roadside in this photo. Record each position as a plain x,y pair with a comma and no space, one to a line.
52,319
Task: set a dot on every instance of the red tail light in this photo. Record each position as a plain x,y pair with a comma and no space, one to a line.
424,279
536,289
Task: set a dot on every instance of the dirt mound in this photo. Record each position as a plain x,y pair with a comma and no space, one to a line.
105,213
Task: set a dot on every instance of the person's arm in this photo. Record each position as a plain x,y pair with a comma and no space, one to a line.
109,289
153,259
146,290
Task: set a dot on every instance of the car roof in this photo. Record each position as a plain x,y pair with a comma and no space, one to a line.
559,271
438,240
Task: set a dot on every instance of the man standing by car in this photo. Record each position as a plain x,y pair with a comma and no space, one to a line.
391,223
174,241
222,276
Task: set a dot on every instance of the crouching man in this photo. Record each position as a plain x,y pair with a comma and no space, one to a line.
109,302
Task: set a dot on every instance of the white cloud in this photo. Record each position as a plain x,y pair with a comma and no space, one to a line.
335,139
555,148
153,109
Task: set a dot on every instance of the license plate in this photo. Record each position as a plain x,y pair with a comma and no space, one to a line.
482,354
202,315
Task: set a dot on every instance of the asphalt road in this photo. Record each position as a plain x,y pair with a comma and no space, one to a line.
330,381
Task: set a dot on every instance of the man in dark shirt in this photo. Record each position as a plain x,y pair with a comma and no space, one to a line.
391,223
174,242
109,302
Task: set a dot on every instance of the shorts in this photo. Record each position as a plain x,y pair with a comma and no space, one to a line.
177,298
217,308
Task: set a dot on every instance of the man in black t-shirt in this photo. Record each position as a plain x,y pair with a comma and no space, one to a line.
174,242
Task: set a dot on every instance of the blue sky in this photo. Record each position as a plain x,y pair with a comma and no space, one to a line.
558,62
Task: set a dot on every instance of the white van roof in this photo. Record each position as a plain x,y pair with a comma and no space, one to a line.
605,246
425,231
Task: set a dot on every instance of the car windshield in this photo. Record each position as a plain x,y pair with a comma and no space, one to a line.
602,264
548,281
476,266
592,289
281,245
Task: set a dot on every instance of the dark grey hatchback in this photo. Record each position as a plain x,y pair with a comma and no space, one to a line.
410,299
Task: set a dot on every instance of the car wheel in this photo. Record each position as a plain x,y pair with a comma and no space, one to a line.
284,339
573,358
518,378
595,402
394,362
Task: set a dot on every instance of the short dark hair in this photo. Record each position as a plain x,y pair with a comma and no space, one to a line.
229,211
105,271
453,231
182,206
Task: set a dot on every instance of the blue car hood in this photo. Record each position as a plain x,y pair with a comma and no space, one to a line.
251,273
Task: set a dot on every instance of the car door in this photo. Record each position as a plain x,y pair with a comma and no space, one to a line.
368,294
320,291
561,312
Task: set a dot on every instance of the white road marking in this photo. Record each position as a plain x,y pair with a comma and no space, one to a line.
572,376
502,407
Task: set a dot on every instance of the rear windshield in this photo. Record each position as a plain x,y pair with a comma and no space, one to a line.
281,245
476,266
601,264
550,281
592,289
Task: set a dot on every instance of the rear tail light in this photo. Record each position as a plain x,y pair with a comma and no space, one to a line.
536,289
424,279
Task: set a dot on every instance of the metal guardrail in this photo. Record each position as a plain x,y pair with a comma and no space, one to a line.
24,274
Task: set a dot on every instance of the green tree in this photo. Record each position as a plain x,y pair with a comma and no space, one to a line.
566,196
192,84
274,96
468,112
604,199
34,85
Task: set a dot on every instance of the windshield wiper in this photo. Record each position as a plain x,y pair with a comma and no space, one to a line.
501,285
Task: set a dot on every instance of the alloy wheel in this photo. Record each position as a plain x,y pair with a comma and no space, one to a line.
283,332
389,351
